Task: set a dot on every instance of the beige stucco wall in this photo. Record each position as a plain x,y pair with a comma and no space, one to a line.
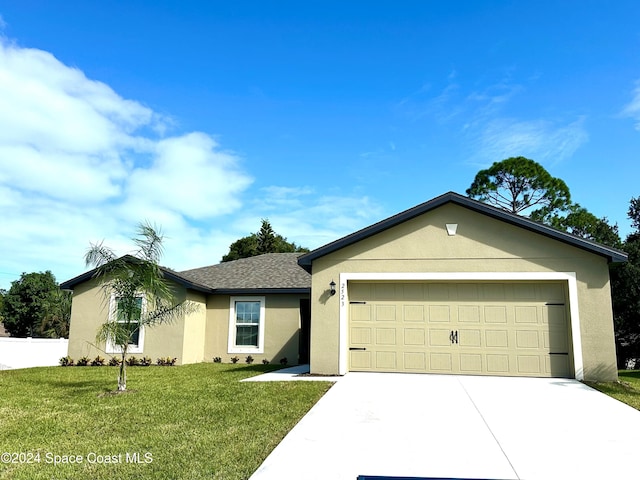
194,329
90,309
282,327
482,244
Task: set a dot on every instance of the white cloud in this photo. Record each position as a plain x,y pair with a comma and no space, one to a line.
310,220
541,140
493,134
79,164
190,176
633,108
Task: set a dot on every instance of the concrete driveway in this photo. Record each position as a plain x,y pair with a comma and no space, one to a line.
459,427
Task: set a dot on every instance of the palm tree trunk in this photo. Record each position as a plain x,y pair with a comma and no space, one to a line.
122,376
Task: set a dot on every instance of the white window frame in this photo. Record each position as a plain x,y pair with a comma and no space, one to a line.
232,347
113,317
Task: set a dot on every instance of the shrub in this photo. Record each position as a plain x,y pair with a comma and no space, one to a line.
249,359
146,361
83,362
66,361
265,361
235,359
217,360
284,361
97,362
166,361
132,362
114,362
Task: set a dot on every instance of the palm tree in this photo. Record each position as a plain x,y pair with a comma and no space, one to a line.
135,290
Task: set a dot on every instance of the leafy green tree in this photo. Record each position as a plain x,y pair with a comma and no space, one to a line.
143,296
520,185
625,289
264,241
57,317
582,223
242,248
28,302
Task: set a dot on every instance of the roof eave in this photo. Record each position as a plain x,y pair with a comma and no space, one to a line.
168,274
262,291
612,255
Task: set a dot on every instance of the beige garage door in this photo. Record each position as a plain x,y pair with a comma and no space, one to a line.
517,329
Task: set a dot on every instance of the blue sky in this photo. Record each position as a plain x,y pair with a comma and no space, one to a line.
324,117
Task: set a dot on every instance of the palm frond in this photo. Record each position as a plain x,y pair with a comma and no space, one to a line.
149,240
98,255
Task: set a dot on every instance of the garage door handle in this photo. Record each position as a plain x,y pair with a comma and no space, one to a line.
357,348
453,336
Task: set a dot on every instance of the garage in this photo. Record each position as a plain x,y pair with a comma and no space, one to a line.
474,328
455,286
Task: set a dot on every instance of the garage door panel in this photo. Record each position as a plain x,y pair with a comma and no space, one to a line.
360,313
439,313
414,336
471,363
361,335
469,314
416,361
552,292
385,313
558,365
529,365
386,336
387,291
526,314
414,313
468,292
485,329
493,292
441,362
414,292
439,337
523,291
470,338
527,339
497,364
497,338
386,361
360,360
438,292
360,291
495,314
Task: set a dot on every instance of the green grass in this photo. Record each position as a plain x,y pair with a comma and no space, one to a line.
192,422
627,389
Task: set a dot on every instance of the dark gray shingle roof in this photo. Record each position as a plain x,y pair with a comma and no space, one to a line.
271,271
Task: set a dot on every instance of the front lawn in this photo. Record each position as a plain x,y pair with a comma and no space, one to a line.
627,390
191,422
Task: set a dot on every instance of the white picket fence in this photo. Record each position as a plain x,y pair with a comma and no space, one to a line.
31,352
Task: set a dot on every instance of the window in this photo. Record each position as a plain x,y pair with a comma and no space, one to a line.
246,325
119,312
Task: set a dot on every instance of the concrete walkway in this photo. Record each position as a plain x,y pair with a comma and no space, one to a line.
290,374
459,427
